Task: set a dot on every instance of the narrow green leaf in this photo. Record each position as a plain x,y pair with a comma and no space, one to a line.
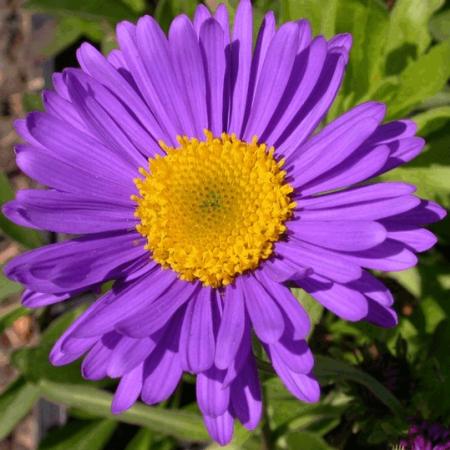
111,10
181,424
11,315
142,440
328,368
26,237
306,440
92,435
8,287
15,403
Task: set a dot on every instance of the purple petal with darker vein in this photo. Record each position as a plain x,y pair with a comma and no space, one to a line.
130,353
75,264
68,213
212,45
264,312
96,362
322,261
346,303
417,239
212,395
197,342
32,299
423,214
339,235
162,369
125,299
274,77
189,68
295,354
201,15
240,60
281,270
372,288
380,315
128,390
246,396
146,320
303,386
232,326
220,428
294,314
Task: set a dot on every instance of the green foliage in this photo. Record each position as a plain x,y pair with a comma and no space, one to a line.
15,403
80,436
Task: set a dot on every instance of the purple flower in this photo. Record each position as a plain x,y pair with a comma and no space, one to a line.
423,435
202,232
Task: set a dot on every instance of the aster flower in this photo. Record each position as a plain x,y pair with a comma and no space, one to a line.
203,231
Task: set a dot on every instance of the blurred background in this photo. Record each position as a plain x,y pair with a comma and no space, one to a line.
379,386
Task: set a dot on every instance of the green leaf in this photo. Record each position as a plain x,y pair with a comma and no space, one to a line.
142,440
112,11
8,287
69,29
311,306
181,424
422,79
328,368
431,120
306,440
80,436
8,317
321,15
26,237
367,22
440,26
409,25
15,403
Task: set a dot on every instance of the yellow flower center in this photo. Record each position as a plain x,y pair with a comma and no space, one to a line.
211,210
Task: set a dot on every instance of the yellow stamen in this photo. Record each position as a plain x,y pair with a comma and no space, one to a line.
211,210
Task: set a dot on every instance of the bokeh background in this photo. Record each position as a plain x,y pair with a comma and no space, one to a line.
376,383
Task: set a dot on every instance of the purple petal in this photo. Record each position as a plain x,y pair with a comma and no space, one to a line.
212,395
128,390
293,311
419,240
246,396
151,317
346,303
304,387
32,299
231,328
264,312
281,270
295,354
201,15
381,316
96,362
75,264
322,261
98,67
220,428
162,373
241,56
372,288
274,77
68,213
425,213
339,235
189,69
197,344
212,45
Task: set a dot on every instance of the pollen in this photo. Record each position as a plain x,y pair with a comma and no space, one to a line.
212,210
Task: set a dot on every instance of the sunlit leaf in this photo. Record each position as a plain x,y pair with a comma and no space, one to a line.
306,440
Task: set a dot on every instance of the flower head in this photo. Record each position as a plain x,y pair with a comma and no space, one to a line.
203,231
423,435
